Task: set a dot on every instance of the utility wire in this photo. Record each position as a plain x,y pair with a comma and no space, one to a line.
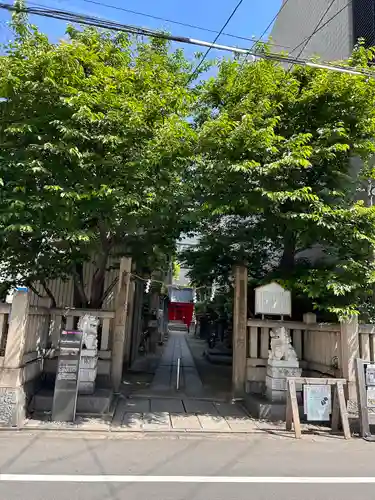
136,30
179,23
306,42
215,40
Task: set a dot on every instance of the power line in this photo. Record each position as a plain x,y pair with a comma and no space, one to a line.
316,28
136,30
215,40
179,23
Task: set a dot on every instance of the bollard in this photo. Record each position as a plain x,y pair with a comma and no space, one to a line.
178,373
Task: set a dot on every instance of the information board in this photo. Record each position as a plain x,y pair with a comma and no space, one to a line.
66,385
365,377
273,300
317,402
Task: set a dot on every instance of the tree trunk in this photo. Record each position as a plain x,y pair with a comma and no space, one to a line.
97,286
79,296
287,259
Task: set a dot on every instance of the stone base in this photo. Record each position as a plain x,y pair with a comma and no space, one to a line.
261,408
87,404
86,387
275,396
12,406
276,373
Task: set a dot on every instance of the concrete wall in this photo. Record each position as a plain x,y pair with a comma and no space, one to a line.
298,20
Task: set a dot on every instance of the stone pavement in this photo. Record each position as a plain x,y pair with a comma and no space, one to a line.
165,379
164,408
172,414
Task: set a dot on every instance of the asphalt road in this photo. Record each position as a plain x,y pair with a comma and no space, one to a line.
261,467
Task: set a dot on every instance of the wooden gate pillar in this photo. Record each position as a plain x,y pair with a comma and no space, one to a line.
239,332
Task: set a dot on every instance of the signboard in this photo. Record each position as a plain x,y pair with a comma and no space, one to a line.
365,378
317,402
272,299
66,385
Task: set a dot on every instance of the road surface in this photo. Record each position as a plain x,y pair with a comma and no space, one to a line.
43,466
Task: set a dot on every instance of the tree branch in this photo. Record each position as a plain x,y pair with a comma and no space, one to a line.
49,293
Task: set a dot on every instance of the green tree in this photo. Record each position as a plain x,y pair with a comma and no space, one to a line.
282,155
95,140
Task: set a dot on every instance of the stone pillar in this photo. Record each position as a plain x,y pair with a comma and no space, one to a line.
239,331
121,314
16,339
89,356
309,318
349,353
12,394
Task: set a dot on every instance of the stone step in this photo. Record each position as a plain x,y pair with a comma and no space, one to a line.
92,404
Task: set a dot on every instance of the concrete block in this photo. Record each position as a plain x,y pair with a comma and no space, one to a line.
275,396
89,363
132,421
168,405
156,421
86,387
87,375
137,405
213,423
200,407
185,422
260,408
279,384
283,371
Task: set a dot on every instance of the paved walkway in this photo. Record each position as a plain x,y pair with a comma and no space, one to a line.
165,408
165,379
172,414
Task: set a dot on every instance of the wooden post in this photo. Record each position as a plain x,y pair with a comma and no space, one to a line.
239,332
154,307
129,323
137,320
349,353
120,323
17,331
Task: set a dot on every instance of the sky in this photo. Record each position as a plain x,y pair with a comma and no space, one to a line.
251,19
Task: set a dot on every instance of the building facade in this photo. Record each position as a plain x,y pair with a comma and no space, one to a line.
335,40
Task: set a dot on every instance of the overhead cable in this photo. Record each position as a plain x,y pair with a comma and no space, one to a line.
179,23
195,71
136,30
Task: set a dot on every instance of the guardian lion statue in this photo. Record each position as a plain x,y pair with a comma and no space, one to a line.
281,346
